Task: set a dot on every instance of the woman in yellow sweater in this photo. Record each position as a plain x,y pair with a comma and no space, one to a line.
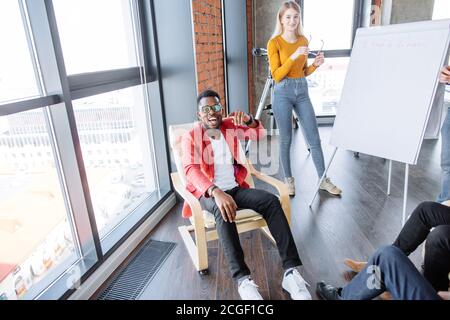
288,56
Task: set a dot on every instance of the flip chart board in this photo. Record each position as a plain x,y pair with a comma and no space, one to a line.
389,89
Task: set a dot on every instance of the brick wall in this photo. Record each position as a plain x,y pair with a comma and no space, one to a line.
375,13
208,37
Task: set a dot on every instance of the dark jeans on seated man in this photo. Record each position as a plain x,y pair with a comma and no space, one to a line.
269,207
389,269
436,265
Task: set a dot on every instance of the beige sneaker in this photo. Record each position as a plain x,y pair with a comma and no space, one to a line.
328,186
291,185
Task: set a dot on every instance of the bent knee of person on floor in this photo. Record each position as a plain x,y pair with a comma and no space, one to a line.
387,252
428,206
438,237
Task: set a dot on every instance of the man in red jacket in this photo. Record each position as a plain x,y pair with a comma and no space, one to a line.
216,176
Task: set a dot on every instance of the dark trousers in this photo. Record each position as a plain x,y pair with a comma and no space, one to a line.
426,216
269,207
389,269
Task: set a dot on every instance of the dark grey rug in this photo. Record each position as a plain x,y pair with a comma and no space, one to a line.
134,278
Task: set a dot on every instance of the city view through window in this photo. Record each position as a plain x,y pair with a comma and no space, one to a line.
36,230
114,142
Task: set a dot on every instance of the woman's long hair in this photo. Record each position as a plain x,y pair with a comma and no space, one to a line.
284,7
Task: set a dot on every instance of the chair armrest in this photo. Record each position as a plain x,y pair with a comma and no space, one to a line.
281,188
279,185
189,198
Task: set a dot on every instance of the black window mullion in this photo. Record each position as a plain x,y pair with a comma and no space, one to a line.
54,77
357,17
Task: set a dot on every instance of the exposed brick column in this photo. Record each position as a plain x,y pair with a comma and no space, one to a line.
208,37
375,13
251,85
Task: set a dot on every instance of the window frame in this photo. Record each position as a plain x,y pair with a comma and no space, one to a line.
56,95
358,22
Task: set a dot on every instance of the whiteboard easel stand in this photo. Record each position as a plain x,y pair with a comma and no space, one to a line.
389,178
405,193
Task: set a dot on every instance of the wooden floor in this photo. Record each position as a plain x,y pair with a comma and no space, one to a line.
354,225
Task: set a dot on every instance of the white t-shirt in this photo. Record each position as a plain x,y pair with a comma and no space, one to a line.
223,164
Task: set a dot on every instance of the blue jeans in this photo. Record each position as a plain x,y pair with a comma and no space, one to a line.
445,160
389,269
293,93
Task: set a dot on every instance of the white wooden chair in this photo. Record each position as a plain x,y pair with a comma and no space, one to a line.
202,223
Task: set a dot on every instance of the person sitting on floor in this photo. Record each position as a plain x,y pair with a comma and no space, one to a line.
389,269
215,177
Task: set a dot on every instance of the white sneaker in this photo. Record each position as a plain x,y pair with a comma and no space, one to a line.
328,186
296,286
291,185
248,290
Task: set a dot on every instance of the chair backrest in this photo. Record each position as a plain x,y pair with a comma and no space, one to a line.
176,133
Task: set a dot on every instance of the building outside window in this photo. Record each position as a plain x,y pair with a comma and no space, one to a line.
78,168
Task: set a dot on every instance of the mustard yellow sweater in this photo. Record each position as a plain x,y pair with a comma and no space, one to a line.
281,65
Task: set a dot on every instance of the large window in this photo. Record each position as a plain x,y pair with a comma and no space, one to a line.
330,25
115,144
78,168
96,34
35,228
330,21
17,78
441,9
326,84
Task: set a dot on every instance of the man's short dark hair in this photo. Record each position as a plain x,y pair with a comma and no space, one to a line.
206,94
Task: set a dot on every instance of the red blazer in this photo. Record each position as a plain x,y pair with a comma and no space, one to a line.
198,156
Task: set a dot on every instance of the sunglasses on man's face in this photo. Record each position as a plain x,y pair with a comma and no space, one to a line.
214,108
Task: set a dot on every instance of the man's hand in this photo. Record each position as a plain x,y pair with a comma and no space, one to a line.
226,205
445,295
239,118
445,75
